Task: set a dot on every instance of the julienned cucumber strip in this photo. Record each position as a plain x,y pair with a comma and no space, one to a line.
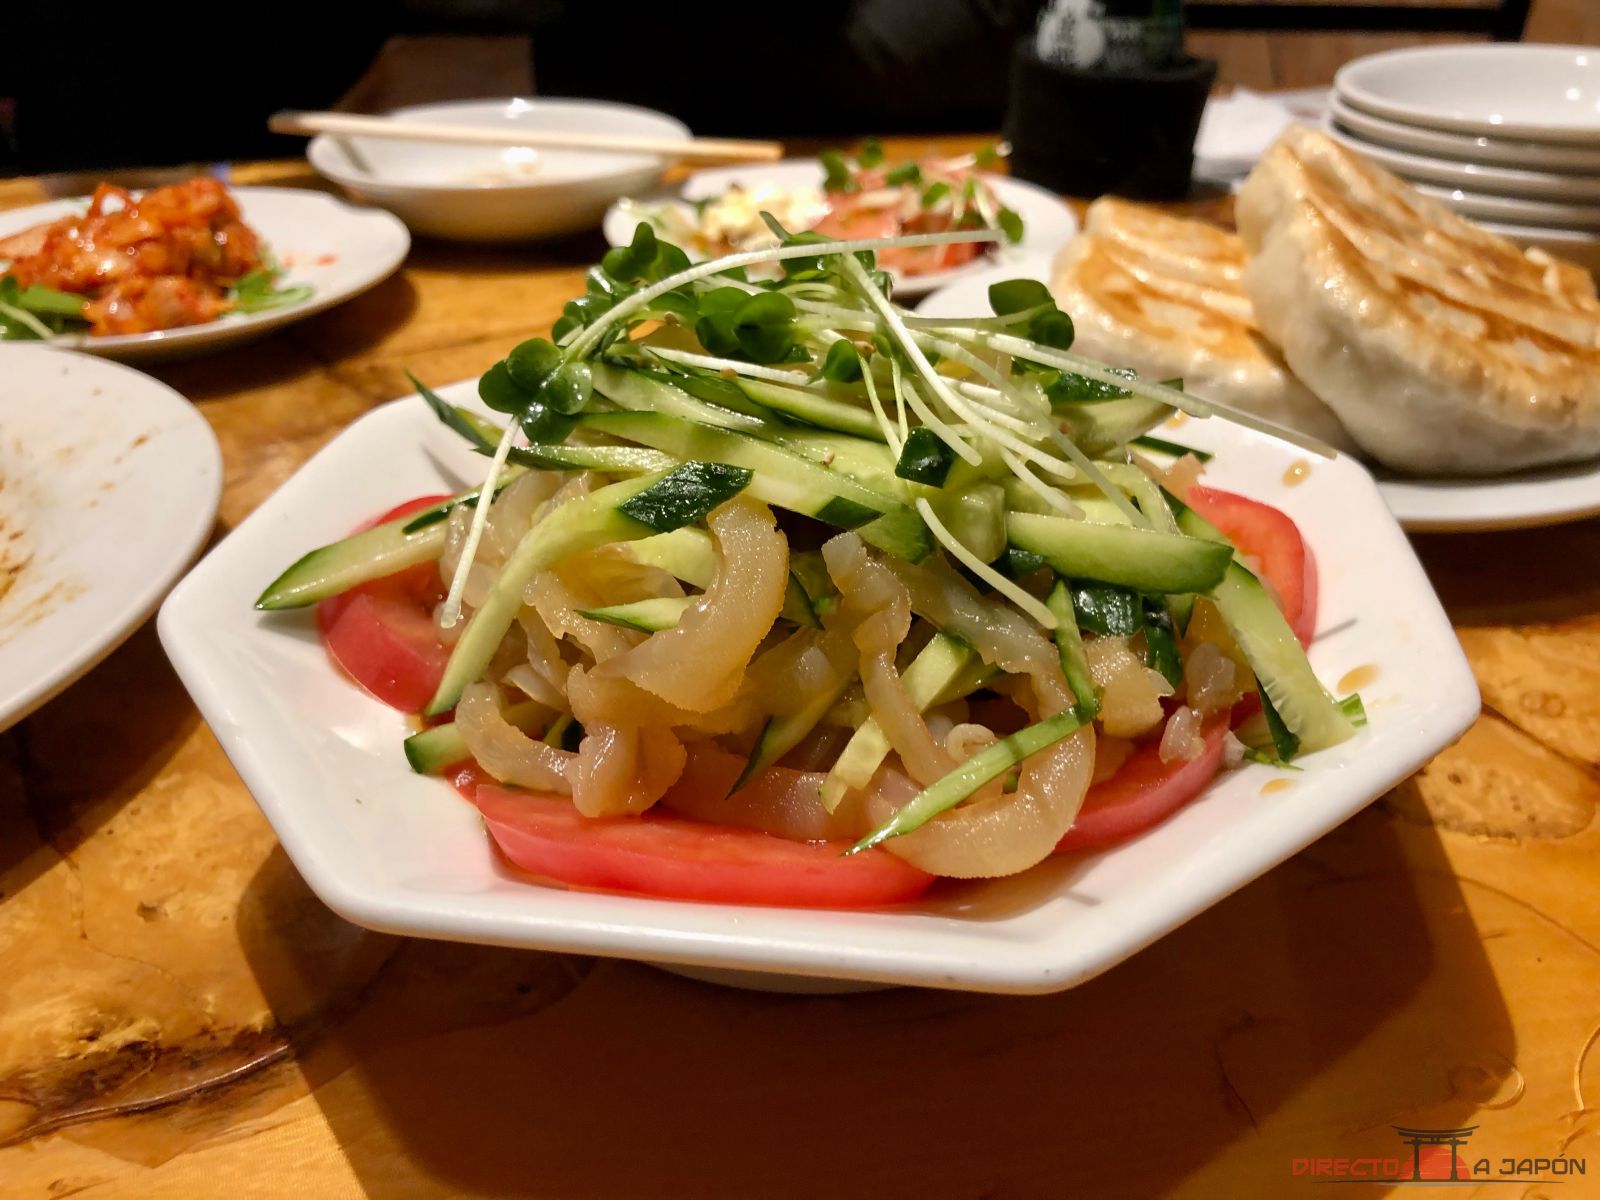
1160,644
582,523
637,391
1175,449
1107,611
936,666
783,733
690,554
782,477
647,616
434,750
1288,685
989,763
811,409
685,495
1152,503
370,554
1074,662
1120,554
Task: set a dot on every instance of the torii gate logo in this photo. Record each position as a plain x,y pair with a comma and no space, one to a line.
1436,1160
1433,1154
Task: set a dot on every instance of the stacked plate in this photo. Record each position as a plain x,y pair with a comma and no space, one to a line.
1508,135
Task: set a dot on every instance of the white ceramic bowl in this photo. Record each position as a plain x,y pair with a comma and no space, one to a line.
400,852
1547,93
1498,181
492,193
1482,149
1483,206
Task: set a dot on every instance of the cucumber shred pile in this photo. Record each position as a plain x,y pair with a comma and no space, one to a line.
980,455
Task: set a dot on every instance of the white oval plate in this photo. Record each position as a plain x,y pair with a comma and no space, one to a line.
494,193
1505,181
1546,93
1551,496
109,484
1047,222
1465,147
1507,209
338,249
400,852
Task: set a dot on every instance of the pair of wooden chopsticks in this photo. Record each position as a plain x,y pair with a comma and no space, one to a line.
695,150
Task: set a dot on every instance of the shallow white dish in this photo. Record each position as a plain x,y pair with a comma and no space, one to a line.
338,249
1501,181
399,852
1047,222
493,193
1549,496
109,484
1485,149
1546,93
1482,206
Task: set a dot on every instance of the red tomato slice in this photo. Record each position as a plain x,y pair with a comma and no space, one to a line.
1143,792
381,633
1273,540
849,221
662,855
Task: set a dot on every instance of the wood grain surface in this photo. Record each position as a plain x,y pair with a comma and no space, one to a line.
180,1017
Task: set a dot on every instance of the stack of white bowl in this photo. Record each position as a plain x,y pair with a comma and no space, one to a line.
1508,135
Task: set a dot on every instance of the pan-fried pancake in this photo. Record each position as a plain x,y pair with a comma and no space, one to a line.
1442,347
1161,294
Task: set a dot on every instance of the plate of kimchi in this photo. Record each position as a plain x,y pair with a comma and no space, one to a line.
183,268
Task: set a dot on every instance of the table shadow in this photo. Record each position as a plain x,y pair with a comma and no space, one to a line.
1137,1083
87,752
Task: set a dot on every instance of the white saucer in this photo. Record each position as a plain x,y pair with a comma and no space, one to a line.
1550,496
337,249
110,485
1543,93
1509,182
1047,222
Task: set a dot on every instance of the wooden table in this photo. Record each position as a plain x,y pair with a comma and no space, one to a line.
180,1017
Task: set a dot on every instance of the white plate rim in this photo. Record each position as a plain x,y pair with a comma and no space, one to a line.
141,598
1514,210
1514,183
618,227
1347,82
1525,500
1464,147
273,754
232,328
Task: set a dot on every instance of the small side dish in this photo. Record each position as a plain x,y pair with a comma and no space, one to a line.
778,594
860,196
170,257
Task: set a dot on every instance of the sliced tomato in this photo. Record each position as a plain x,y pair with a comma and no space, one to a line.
381,633
658,854
1272,539
850,219
1144,792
